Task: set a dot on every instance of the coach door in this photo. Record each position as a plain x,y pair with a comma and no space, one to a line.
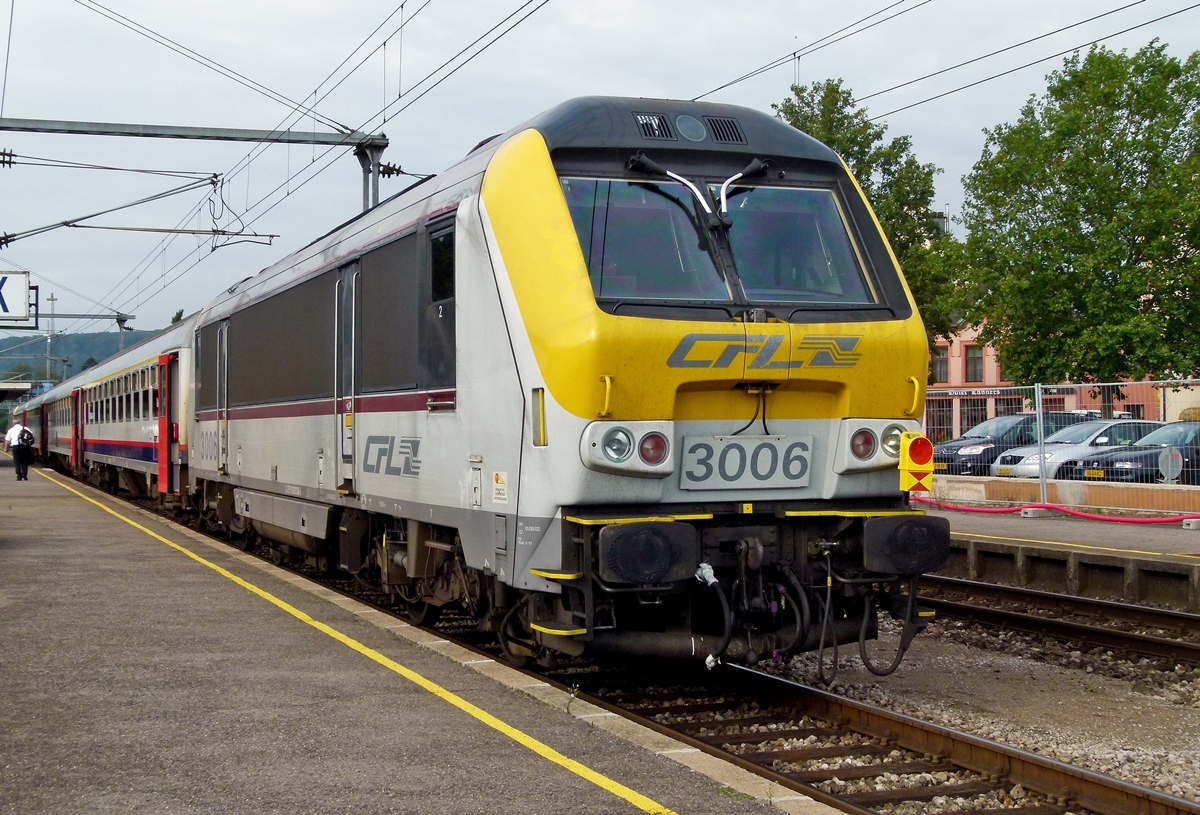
223,398
168,431
346,372
77,428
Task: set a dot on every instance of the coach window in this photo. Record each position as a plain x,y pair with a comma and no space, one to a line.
438,329
389,358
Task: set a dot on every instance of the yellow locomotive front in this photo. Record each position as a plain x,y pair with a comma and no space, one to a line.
722,358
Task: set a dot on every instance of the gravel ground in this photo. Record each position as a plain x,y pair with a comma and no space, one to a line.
1137,720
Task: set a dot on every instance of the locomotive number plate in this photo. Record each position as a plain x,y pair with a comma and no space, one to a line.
745,462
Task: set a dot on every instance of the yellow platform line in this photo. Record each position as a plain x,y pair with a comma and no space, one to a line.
1141,552
544,750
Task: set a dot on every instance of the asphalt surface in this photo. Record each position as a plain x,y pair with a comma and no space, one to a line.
134,679
1104,537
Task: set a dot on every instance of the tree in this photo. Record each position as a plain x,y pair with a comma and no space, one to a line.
20,373
899,187
1084,220
177,317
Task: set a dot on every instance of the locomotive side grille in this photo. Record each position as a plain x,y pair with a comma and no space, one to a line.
725,130
655,126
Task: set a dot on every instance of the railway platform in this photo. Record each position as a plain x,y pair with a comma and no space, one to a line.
1156,564
144,667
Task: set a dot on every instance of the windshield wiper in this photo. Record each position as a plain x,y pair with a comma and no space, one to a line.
642,163
756,167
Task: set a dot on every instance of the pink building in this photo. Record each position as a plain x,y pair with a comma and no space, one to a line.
967,387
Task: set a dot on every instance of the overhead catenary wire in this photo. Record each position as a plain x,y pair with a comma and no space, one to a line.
818,44
243,164
997,52
327,152
1034,62
194,56
41,161
5,240
55,283
468,59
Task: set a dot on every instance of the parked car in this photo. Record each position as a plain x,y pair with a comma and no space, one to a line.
1172,451
973,452
1069,445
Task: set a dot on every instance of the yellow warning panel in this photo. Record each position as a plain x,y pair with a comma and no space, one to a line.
916,463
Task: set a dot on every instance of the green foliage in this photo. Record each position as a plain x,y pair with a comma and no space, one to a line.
899,187
177,317
1084,219
20,373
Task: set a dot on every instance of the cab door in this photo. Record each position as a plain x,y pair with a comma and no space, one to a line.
346,373
223,398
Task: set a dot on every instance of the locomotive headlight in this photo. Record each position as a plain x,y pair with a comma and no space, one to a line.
617,444
653,448
862,444
890,439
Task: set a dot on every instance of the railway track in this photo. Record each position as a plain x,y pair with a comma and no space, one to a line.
853,756
1140,630
856,757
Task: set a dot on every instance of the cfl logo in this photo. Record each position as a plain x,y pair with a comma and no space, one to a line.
384,452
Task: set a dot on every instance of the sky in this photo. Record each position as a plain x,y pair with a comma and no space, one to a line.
66,60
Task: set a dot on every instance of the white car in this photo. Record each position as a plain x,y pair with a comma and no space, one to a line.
1070,444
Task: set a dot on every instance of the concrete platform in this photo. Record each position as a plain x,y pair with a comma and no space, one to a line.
1134,563
137,678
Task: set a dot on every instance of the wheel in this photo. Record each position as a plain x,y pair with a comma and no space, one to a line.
422,613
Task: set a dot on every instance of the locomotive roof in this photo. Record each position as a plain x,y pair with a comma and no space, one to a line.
628,122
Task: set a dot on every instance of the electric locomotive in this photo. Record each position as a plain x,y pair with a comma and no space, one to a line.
630,379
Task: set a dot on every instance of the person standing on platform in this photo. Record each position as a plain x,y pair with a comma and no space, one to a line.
10,438
19,440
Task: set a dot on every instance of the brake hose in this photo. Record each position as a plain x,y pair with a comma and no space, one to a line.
905,636
826,625
805,611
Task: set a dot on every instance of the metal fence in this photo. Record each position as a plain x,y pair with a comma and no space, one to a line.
1073,445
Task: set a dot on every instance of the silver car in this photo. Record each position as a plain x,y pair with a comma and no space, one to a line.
1069,445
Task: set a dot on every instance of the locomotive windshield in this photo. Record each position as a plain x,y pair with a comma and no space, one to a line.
650,241
791,245
643,240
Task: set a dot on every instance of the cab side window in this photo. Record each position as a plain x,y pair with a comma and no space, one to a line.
438,324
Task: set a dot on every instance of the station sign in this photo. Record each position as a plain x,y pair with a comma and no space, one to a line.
14,297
